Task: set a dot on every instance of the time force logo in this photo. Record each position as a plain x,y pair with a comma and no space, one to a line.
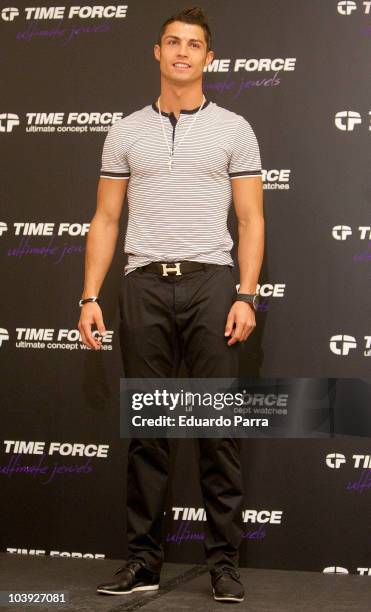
276,179
37,552
60,122
75,449
53,249
336,460
244,69
55,339
287,64
362,233
48,13
34,228
347,120
347,7
342,232
343,344
338,570
273,517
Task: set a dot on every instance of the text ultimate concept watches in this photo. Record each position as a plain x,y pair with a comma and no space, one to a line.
250,298
94,298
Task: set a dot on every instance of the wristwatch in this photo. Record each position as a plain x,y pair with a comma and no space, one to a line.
94,298
250,298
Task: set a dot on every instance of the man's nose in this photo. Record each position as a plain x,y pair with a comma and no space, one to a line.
183,51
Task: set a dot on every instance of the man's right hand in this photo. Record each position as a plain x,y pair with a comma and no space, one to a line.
91,313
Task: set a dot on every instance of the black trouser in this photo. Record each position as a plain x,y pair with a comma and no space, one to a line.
162,319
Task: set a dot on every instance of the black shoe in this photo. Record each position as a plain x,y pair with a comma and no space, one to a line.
133,576
226,584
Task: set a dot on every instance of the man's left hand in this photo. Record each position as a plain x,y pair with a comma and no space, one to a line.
240,322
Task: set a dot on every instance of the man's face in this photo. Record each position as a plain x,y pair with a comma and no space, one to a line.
182,54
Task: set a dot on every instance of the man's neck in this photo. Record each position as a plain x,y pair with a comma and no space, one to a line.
175,99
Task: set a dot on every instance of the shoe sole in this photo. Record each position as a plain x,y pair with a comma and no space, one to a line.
226,598
151,587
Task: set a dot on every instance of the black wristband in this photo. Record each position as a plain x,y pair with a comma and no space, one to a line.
249,298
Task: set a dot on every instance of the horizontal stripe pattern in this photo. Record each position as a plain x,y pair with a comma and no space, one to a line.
182,214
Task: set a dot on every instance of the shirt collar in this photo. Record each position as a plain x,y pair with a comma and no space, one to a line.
185,111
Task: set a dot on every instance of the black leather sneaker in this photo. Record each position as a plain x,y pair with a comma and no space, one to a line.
133,576
226,584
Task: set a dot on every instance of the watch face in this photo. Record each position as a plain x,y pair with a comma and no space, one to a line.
255,302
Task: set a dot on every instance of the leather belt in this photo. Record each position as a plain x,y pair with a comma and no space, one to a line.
168,268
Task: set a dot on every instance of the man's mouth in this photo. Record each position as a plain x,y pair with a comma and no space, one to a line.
181,65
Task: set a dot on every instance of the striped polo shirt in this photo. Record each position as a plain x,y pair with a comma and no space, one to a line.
180,214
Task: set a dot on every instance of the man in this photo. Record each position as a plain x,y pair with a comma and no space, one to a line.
181,159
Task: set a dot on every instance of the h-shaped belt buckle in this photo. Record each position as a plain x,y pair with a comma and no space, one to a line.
166,270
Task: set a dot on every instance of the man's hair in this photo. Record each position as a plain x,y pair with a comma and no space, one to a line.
194,15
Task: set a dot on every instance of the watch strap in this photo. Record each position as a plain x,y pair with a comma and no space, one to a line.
249,298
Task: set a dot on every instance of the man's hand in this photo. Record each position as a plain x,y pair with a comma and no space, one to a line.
91,313
241,315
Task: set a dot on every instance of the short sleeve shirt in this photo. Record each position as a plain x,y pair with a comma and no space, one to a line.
180,214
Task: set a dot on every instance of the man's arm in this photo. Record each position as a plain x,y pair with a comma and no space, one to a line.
248,202
100,248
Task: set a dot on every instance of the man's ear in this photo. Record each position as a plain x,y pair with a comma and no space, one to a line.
209,57
157,52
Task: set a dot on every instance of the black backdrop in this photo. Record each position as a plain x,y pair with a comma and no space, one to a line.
312,121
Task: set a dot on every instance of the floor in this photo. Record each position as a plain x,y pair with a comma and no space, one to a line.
183,588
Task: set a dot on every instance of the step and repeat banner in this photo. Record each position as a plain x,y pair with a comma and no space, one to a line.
297,70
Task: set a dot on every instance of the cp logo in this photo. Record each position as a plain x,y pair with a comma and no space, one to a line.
3,227
3,335
8,121
346,120
341,232
333,569
341,344
346,7
8,14
335,460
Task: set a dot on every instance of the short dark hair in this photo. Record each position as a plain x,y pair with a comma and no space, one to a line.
194,15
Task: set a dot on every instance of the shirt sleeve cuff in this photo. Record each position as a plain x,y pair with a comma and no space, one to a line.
114,175
233,175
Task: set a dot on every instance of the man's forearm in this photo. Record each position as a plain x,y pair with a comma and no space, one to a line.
100,248
250,253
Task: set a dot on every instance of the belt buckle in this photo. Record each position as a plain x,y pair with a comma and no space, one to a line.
166,270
